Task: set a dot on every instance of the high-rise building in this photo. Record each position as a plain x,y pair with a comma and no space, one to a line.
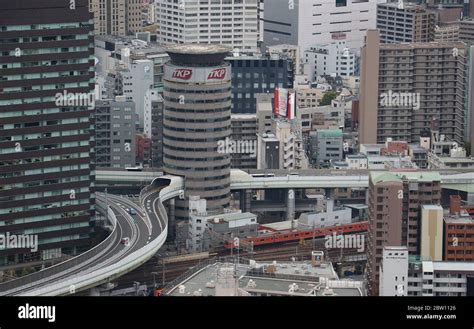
404,86
197,99
252,75
395,203
46,127
117,17
233,23
304,22
115,133
405,23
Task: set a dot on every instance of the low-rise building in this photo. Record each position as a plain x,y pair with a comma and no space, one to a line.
459,237
226,277
329,215
428,278
356,161
326,145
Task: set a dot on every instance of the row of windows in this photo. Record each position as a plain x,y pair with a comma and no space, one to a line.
213,188
198,91
43,218
221,119
195,140
213,110
42,205
219,158
44,38
198,101
45,63
191,130
170,166
6,28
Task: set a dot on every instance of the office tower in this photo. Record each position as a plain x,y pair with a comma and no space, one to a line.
404,86
47,146
394,271
233,23
117,17
115,133
395,203
252,75
304,22
407,23
197,97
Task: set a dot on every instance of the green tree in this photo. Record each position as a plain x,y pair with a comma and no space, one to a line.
467,146
328,97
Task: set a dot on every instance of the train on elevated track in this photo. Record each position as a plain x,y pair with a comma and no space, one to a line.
275,238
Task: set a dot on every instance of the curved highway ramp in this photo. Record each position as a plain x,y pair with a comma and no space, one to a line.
134,240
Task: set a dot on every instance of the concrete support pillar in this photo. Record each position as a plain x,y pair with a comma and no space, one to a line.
171,221
290,204
470,197
245,200
329,192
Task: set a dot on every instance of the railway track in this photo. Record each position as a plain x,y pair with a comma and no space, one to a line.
283,252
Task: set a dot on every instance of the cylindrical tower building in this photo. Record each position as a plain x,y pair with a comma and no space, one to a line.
197,106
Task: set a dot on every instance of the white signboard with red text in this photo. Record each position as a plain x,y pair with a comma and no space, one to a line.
284,103
197,74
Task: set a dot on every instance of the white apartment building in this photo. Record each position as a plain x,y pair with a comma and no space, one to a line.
394,272
428,278
228,22
301,22
333,59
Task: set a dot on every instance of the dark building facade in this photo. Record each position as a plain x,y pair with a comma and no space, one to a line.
254,75
46,143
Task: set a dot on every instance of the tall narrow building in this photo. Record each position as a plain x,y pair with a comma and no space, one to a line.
395,212
196,119
46,136
404,86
